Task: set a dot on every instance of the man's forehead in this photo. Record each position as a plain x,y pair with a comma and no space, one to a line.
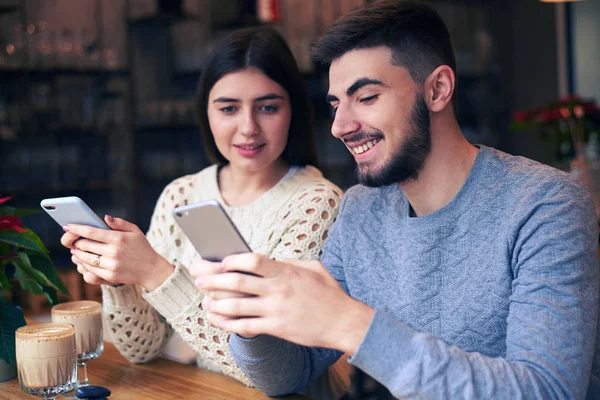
372,63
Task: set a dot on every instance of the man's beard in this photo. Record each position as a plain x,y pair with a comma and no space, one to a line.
408,160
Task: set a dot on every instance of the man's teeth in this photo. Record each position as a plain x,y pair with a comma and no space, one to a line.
365,147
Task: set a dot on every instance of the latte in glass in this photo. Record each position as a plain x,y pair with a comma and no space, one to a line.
46,359
86,317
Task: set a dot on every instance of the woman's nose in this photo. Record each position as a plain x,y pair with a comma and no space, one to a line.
249,125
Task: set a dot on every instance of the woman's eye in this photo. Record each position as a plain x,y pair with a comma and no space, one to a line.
228,110
369,99
269,109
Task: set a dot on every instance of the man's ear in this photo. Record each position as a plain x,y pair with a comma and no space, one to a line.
439,87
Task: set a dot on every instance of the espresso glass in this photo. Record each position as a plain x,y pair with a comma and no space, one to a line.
46,359
86,317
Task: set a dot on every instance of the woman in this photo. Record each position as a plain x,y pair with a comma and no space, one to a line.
256,123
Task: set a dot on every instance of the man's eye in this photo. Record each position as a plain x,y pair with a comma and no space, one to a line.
369,99
333,111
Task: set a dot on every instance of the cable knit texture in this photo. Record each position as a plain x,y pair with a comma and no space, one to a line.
493,296
291,220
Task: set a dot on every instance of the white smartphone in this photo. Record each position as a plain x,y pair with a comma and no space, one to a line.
209,229
72,210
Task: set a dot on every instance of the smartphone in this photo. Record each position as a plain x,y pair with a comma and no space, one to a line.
209,229
72,210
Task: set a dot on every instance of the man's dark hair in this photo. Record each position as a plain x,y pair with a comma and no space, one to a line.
415,33
266,50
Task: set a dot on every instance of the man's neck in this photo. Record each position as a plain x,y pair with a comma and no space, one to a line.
446,169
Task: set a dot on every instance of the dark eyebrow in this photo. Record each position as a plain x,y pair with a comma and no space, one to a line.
360,83
270,96
226,100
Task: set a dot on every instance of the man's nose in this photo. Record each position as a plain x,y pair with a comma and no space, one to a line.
344,122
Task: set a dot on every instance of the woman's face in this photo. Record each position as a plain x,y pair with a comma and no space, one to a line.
249,116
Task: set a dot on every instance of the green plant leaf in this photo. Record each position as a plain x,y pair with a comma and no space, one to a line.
27,283
43,264
33,236
35,287
36,281
11,318
24,269
18,239
4,282
17,212
51,294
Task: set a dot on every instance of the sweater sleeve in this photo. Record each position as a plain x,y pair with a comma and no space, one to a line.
177,300
275,366
138,330
551,326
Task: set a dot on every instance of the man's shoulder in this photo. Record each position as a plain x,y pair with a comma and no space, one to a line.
524,178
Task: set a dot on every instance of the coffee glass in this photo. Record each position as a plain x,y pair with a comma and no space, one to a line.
86,317
46,359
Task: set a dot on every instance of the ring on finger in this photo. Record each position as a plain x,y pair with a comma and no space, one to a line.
96,262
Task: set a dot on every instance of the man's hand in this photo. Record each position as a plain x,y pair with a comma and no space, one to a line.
298,301
120,255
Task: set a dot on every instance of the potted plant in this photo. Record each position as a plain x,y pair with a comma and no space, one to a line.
24,260
573,125
569,123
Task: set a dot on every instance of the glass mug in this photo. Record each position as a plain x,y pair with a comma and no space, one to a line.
86,317
46,359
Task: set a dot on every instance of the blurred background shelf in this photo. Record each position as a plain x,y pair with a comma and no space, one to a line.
47,190
160,19
166,128
97,96
34,73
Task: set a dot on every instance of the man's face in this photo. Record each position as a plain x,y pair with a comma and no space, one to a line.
381,116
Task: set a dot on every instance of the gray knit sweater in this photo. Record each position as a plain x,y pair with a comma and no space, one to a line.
494,296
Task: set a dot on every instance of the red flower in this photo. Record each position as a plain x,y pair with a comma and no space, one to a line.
521,116
572,98
10,222
5,199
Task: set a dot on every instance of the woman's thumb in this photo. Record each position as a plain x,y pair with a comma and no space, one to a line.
119,224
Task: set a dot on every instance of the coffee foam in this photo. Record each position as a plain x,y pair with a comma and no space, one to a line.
43,333
46,354
78,309
86,317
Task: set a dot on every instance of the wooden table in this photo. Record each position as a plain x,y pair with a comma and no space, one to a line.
160,379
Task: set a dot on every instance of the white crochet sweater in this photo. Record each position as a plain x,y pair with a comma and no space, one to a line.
290,220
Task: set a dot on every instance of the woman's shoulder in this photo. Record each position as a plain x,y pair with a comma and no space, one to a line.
185,186
310,178
314,190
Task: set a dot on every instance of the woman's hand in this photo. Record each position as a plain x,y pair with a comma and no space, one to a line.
120,255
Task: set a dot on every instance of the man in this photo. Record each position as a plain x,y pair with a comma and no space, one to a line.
454,271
